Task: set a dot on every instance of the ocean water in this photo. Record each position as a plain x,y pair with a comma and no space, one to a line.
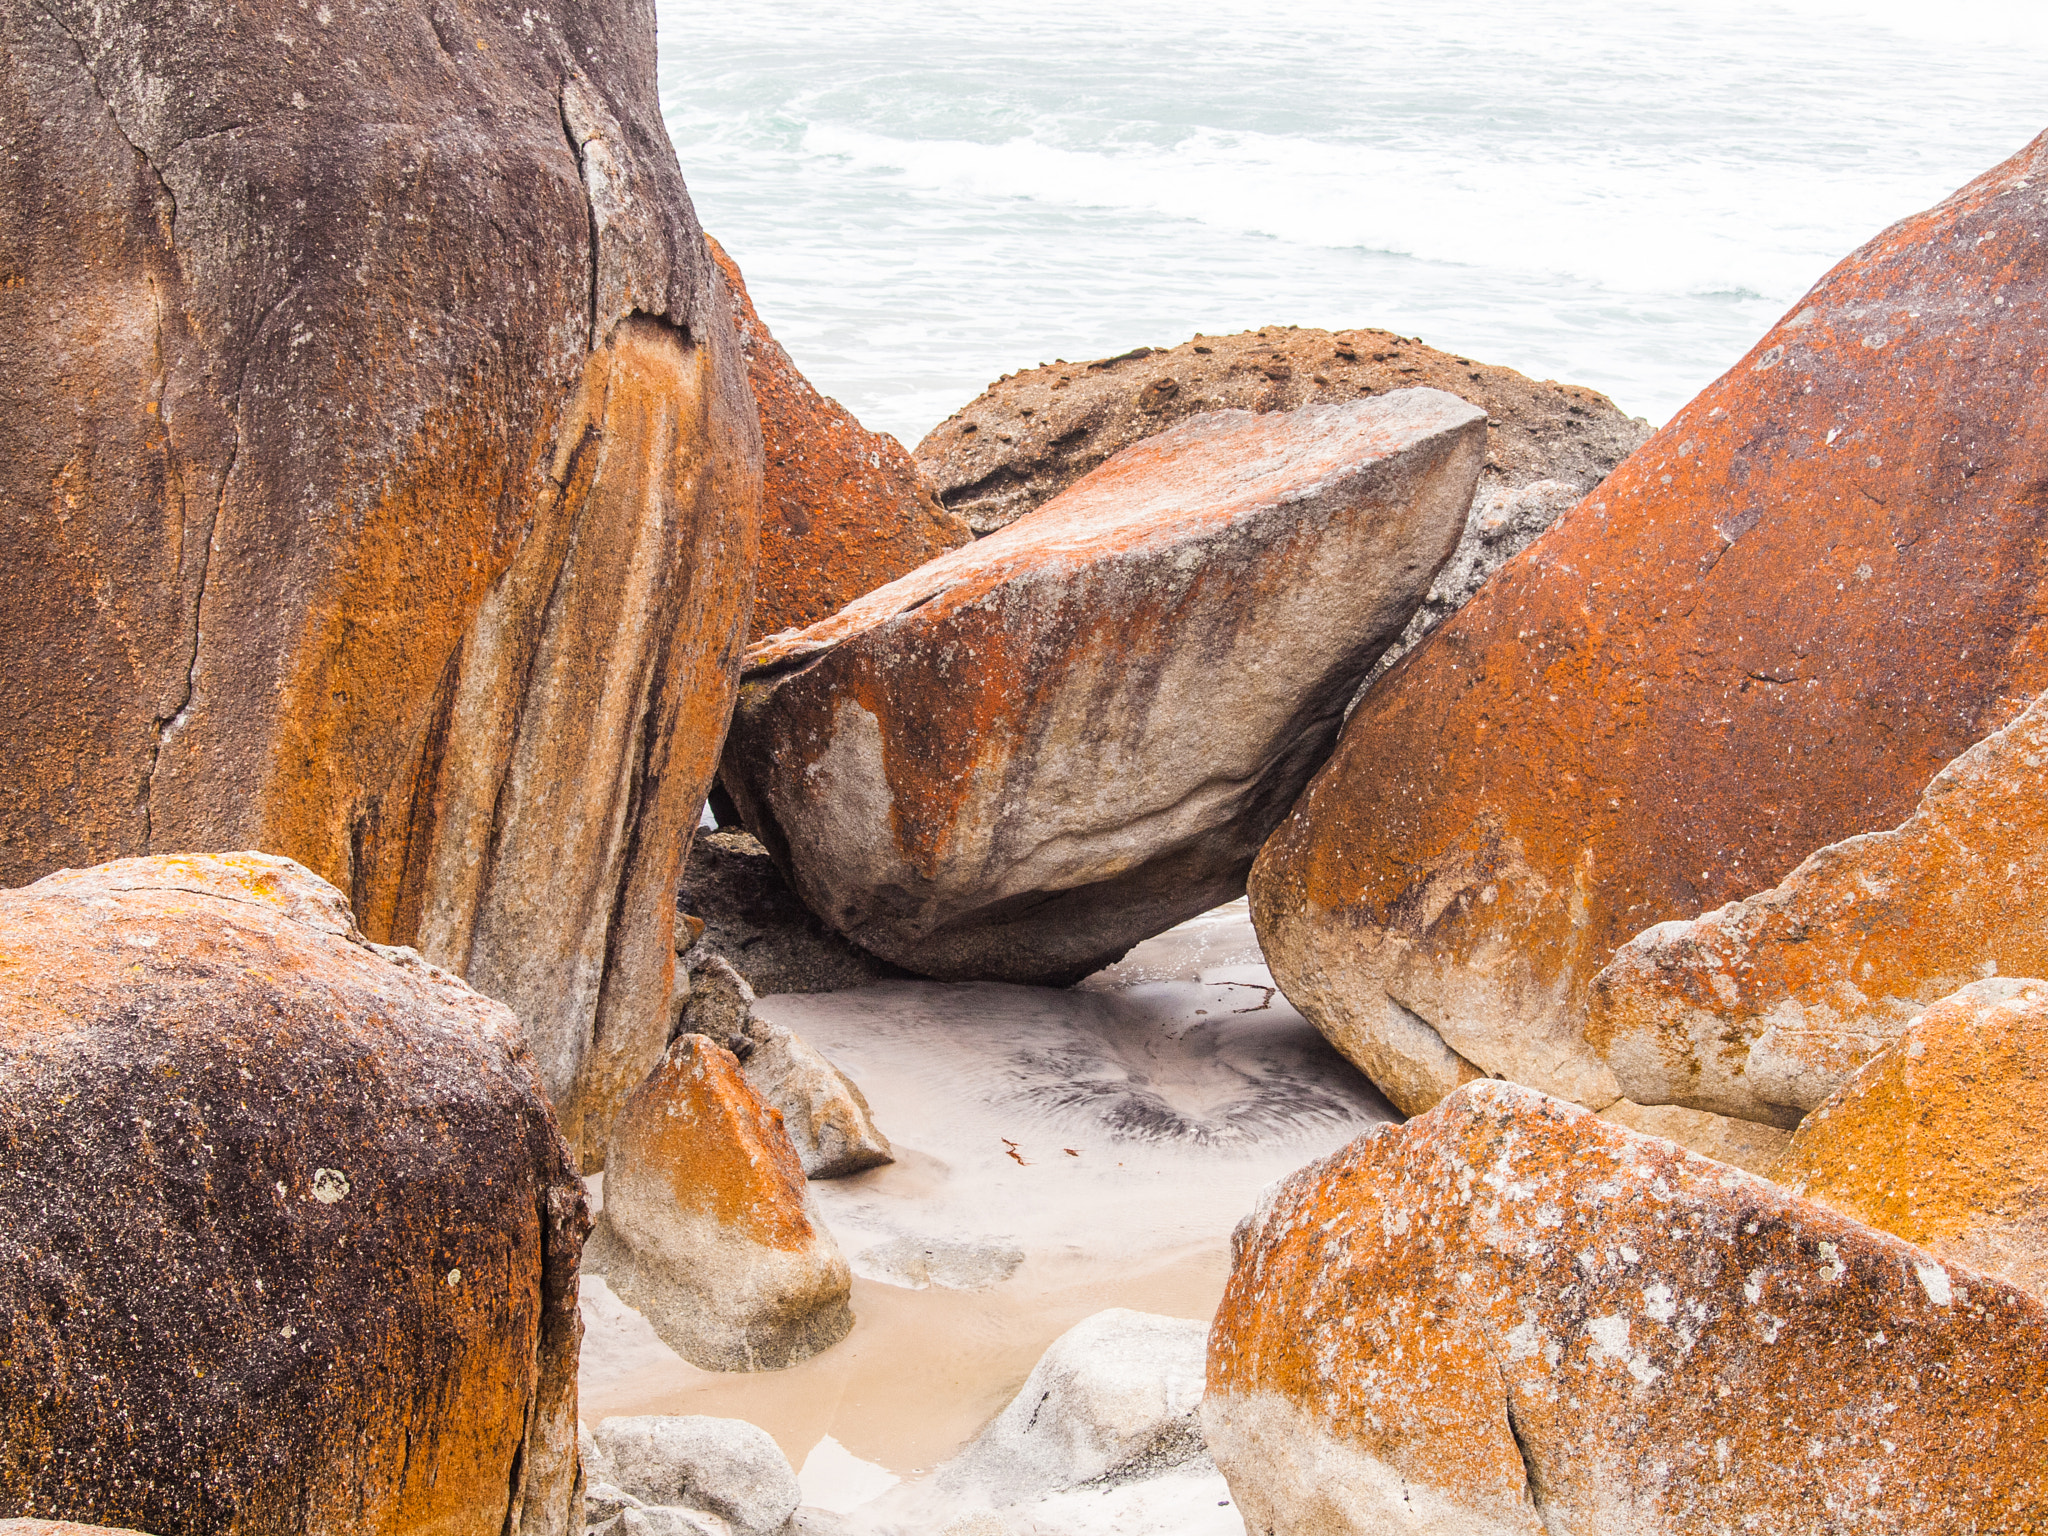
1624,195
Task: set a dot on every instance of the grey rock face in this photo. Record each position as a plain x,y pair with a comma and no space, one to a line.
823,1110
1114,1399
725,1468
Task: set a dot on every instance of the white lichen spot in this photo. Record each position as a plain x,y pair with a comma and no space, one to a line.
1753,1288
1934,1281
1658,1303
455,1277
329,1185
1628,1254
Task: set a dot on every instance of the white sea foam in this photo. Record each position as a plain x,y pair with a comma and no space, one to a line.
1623,194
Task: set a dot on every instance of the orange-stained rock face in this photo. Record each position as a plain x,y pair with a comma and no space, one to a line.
1939,1138
1032,753
1764,1007
380,479
1510,1316
707,1226
288,1235
843,509
1773,624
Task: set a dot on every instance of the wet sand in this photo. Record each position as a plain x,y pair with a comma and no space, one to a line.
1111,1135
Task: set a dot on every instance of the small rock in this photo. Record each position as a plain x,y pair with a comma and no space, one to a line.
1939,1137
823,1110
664,1520
605,1499
725,1468
707,1229
1112,1400
720,1004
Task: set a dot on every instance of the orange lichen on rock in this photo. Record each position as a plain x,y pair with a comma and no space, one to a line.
1938,1138
1510,1316
1033,752
843,509
382,488
707,1226
1762,1008
288,1235
1773,624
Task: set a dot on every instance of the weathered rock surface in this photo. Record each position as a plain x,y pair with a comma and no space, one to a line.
725,1468
843,509
706,1227
753,919
288,1236
1112,1399
1767,631
1740,1143
1031,435
1110,1404
824,1113
720,1003
1764,1007
378,480
59,1528
1034,752
1938,1139
1510,1316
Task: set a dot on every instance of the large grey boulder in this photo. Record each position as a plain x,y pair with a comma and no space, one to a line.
1030,754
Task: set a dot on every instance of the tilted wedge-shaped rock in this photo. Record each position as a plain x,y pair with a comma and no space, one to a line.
1939,1138
379,480
1030,754
1508,1316
707,1226
1762,1008
288,1236
1766,631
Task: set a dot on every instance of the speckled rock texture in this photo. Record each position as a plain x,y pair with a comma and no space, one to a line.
843,509
1510,1316
288,1235
1033,434
1766,632
378,480
707,1226
1033,753
59,1528
1939,1138
1764,1007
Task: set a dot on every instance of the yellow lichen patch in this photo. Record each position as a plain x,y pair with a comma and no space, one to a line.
1939,1138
